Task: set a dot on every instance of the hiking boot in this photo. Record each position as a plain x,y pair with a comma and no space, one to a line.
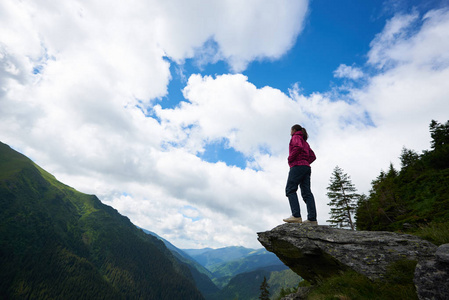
313,223
293,219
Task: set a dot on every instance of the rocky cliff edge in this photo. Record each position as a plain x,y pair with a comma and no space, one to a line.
318,252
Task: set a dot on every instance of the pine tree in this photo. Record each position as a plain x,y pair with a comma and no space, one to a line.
264,292
343,199
408,157
439,133
439,159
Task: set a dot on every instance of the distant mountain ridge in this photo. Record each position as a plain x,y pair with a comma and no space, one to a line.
202,276
257,259
58,243
238,271
209,258
233,260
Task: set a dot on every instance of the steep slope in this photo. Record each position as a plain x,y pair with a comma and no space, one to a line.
180,254
58,243
200,274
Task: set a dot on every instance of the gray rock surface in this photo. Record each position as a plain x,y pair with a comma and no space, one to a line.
442,253
316,252
432,276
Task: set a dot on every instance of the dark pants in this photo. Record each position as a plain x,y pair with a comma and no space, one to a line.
300,175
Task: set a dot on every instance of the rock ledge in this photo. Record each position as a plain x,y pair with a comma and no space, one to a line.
317,252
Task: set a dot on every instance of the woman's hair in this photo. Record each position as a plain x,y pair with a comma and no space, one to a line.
297,127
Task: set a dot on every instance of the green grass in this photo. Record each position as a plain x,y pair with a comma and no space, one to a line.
434,232
351,285
11,162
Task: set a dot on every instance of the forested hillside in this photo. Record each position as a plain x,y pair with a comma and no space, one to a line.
57,243
201,276
254,260
416,195
239,272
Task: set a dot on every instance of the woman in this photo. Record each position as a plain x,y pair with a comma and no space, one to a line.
299,159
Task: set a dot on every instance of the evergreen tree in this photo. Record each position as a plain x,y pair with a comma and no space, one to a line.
383,204
439,159
264,292
439,133
343,199
364,214
416,195
408,157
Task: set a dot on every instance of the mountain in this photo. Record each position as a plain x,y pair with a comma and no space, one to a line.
210,258
183,256
239,273
201,275
255,259
196,252
58,243
225,263
246,286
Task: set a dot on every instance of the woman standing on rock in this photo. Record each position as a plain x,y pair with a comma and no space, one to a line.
299,159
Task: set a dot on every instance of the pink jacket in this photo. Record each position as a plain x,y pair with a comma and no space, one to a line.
300,153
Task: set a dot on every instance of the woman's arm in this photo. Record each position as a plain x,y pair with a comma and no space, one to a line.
295,147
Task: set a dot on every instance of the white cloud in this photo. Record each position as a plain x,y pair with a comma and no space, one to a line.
76,78
387,46
242,30
80,117
362,136
230,107
414,91
344,71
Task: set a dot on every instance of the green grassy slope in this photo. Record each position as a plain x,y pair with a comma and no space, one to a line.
57,243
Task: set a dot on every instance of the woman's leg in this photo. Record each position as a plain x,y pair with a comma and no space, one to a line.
294,178
307,195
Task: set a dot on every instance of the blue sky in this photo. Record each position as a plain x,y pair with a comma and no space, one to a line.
335,33
178,113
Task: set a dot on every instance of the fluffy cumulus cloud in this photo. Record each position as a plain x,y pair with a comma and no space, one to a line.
412,90
231,108
236,31
344,71
80,83
78,79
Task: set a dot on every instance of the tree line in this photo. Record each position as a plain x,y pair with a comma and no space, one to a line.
402,199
